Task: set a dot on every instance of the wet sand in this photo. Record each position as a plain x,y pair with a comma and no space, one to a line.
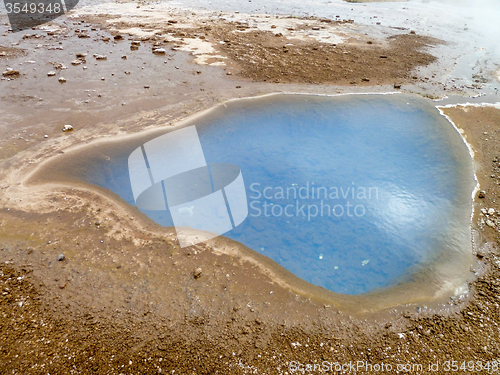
125,299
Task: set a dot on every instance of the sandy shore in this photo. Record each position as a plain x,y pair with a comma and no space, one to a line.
125,299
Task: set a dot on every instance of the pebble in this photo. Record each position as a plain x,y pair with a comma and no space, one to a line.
67,128
197,272
45,136
481,194
61,257
159,51
10,73
51,73
62,79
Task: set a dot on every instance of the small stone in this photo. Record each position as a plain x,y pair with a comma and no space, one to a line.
124,57
315,28
146,86
81,55
481,194
397,86
238,87
490,223
118,37
51,73
159,51
197,272
136,43
172,21
365,79
10,73
491,211
61,257
45,136
100,57
62,79
67,128
127,72
412,32
76,62
103,79
198,72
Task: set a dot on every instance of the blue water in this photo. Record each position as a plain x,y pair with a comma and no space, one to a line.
395,174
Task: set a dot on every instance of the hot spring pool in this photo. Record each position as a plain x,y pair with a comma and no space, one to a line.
351,193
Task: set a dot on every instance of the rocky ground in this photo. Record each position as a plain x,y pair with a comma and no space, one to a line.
90,286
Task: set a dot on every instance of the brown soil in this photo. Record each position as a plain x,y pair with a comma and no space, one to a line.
262,56
6,52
